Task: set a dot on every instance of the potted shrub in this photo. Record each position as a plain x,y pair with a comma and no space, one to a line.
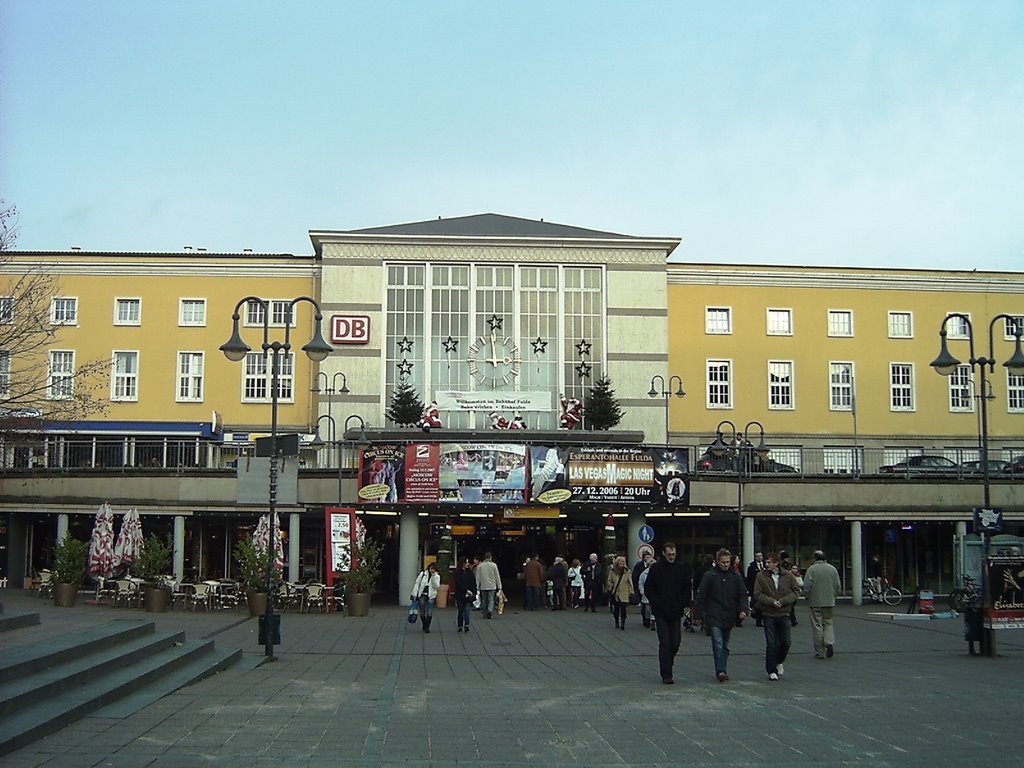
444,567
69,557
152,564
362,579
252,573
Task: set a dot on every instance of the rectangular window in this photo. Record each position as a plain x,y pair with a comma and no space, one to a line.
6,310
192,312
1014,392
958,327
780,322
279,309
124,381
901,325
840,322
257,375
64,311
719,384
127,311
5,373
840,386
190,377
1010,325
780,385
901,386
717,320
60,375
961,389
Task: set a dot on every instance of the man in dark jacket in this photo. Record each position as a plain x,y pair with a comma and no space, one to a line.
668,591
756,566
775,592
721,601
593,580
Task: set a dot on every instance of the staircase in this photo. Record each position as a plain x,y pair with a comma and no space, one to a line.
109,670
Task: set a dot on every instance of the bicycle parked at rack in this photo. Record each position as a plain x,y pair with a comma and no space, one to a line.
967,596
881,591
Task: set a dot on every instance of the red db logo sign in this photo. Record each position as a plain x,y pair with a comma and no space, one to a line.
350,329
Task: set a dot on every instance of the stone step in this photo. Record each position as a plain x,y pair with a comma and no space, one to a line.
11,621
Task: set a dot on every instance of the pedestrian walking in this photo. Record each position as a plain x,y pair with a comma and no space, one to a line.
557,576
721,603
488,581
424,591
821,586
619,587
641,587
668,589
593,582
465,592
755,567
533,580
776,592
575,577
787,565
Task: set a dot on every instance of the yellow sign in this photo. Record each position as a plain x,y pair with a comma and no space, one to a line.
374,491
555,496
530,512
463,530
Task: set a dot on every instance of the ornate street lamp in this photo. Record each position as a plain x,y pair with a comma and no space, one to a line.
235,350
666,392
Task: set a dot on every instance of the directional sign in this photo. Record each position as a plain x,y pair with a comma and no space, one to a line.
645,534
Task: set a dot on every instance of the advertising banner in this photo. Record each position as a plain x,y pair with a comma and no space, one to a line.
482,473
623,475
1006,586
510,402
549,474
382,474
671,477
422,468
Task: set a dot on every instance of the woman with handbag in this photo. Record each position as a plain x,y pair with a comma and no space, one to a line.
424,590
619,587
465,592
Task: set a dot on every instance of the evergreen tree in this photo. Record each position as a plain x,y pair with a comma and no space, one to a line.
406,408
602,408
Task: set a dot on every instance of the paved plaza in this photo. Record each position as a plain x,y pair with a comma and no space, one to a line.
549,689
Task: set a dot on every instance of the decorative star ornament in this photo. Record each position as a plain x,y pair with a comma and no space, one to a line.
539,346
583,370
495,322
450,345
405,344
404,369
583,348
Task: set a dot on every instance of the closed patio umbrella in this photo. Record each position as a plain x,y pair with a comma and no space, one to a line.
101,545
262,534
129,539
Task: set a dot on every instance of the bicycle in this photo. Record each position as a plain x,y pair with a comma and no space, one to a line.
967,596
881,591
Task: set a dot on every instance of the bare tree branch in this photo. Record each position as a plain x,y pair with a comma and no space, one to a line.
8,225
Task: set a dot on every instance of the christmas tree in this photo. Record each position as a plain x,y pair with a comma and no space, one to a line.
602,408
406,408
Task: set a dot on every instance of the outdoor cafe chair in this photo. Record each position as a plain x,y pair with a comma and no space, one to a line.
336,598
316,596
44,586
128,594
201,595
106,589
291,595
227,594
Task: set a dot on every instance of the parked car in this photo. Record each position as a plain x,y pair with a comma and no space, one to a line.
932,465
1017,465
727,462
995,467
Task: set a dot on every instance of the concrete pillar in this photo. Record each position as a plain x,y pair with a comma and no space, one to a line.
294,539
179,548
637,520
748,543
408,553
62,525
857,561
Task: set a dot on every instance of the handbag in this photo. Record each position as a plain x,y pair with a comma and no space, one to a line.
414,612
634,598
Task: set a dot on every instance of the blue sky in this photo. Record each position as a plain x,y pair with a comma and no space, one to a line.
827,133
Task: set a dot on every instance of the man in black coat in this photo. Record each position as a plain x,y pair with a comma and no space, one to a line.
593,581
668,591
721,600
756,566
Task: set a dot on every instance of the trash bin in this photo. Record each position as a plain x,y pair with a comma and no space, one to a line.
276,640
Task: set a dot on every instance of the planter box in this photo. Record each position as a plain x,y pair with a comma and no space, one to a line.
359,604
64,595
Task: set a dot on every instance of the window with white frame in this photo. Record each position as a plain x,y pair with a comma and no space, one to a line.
279,309
60,375
257,373
1014,392
127,311
840,386
6,310
124,376
719,384
840,322
780,322
901,325
192,312
842,460
190,378
961,390
717,320
901,386
958,327
5,373
64,311
1012,324
780,385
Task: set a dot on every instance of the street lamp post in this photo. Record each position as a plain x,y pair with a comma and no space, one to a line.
945,365
235,350
330,388
742,453
332,438
666,392
360,439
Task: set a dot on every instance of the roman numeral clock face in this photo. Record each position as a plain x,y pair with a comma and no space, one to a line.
494,360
